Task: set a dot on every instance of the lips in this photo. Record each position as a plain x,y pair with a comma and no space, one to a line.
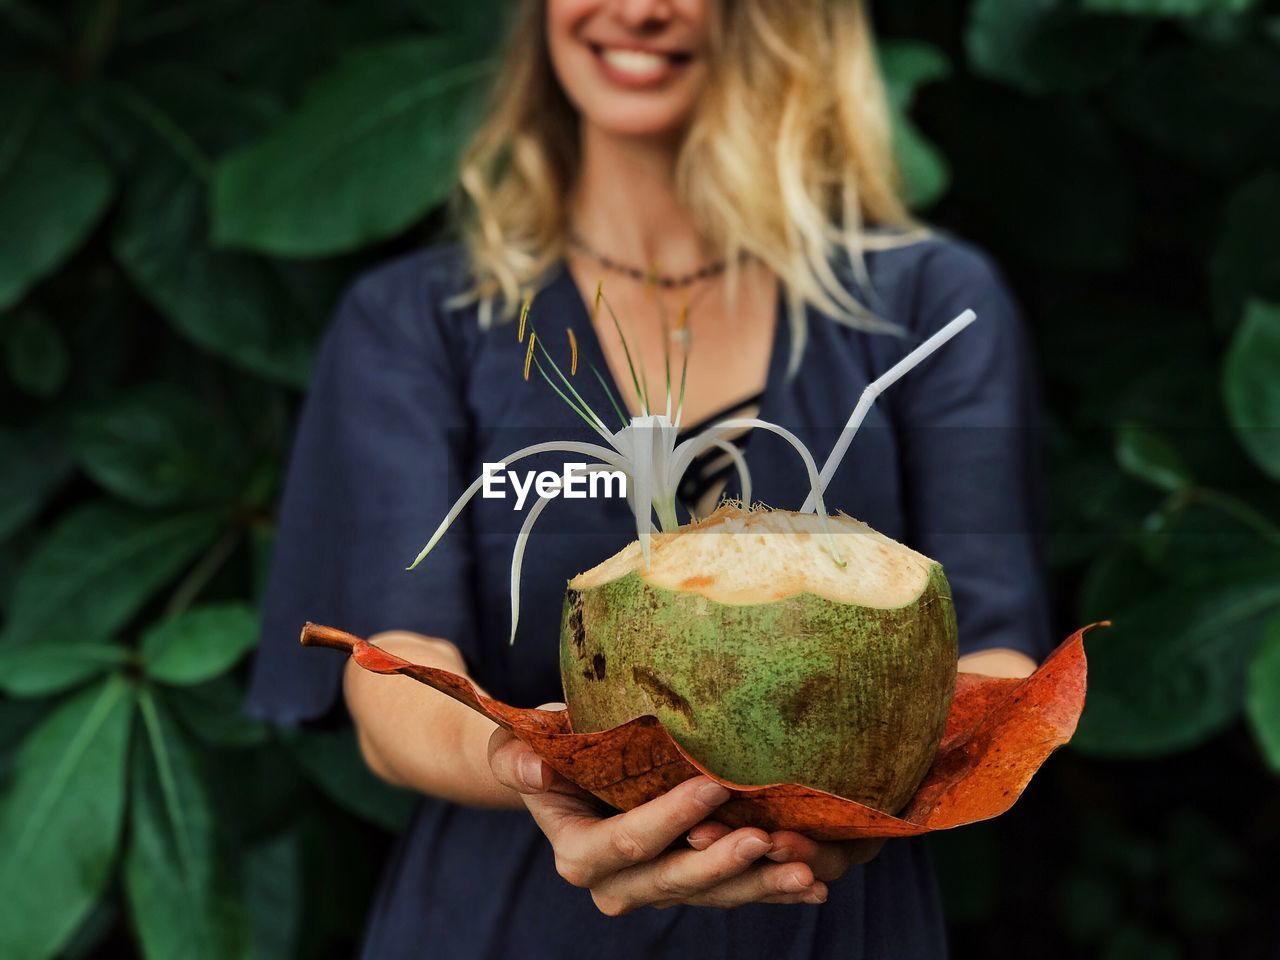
636,67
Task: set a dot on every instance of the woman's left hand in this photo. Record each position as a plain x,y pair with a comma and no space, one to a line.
829,860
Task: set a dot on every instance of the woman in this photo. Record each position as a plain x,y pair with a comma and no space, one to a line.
731,159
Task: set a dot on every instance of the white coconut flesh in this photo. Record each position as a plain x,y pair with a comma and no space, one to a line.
737,556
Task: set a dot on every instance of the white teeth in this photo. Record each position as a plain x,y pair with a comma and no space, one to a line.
638,62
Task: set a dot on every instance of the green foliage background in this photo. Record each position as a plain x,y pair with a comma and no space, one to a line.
185,187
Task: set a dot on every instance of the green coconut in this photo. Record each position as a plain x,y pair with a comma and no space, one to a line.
766,659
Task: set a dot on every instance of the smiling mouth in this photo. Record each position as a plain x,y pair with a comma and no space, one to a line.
635,67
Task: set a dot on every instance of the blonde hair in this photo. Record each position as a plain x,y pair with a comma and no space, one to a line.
788,158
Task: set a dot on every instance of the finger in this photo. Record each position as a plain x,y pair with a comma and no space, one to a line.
707,833
864,851
830,860
593,849
678,876
515,765
818,894
765,883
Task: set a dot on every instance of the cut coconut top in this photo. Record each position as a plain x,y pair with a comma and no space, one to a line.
759,556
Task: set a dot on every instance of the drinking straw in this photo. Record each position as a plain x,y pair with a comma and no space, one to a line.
877,387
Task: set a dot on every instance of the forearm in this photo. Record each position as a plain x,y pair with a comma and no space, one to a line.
998,662
413,736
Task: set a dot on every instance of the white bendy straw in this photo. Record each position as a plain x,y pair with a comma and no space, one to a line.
877,387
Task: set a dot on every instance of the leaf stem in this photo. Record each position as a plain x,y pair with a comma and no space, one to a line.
1231,506
99,35
168,782
198,577
163,126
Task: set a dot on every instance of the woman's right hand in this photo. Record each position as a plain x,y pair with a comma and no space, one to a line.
624,858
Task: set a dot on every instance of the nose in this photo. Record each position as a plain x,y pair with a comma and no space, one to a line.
644,14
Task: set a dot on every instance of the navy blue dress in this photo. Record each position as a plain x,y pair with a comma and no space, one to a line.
410,397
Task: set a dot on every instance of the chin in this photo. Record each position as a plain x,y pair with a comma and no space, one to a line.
639,121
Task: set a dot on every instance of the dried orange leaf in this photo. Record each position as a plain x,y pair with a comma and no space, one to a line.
998,733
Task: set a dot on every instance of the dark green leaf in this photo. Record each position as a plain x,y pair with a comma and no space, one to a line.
1168,8
969,866
1116,580
908,66
156,446
299,879
1084,221
1246,260
1262,696
274,893
53,183
275,55
1145,453
1129,941
97,567
473,22
60,823
35,464
235,305
1095,504
1192,840
193,113
1251,382
1146,374
1201,861
36,356
200,643
32,23
1090,903
370,150
1170,673
1035,45
101,322
87,942
1212,106
1202,534
17,717
262,545
241,307
925,173
259,791
214,713
42,669
333,762
999,35
178,870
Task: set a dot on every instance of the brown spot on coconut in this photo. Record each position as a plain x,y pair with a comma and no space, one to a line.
764,658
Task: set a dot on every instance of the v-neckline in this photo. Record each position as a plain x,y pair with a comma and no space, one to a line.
579,315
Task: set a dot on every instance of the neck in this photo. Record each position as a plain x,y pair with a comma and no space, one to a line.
625,204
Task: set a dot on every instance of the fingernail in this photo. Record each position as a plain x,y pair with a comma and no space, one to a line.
750,848
530,769
816,896
794,883
712,794
779,855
